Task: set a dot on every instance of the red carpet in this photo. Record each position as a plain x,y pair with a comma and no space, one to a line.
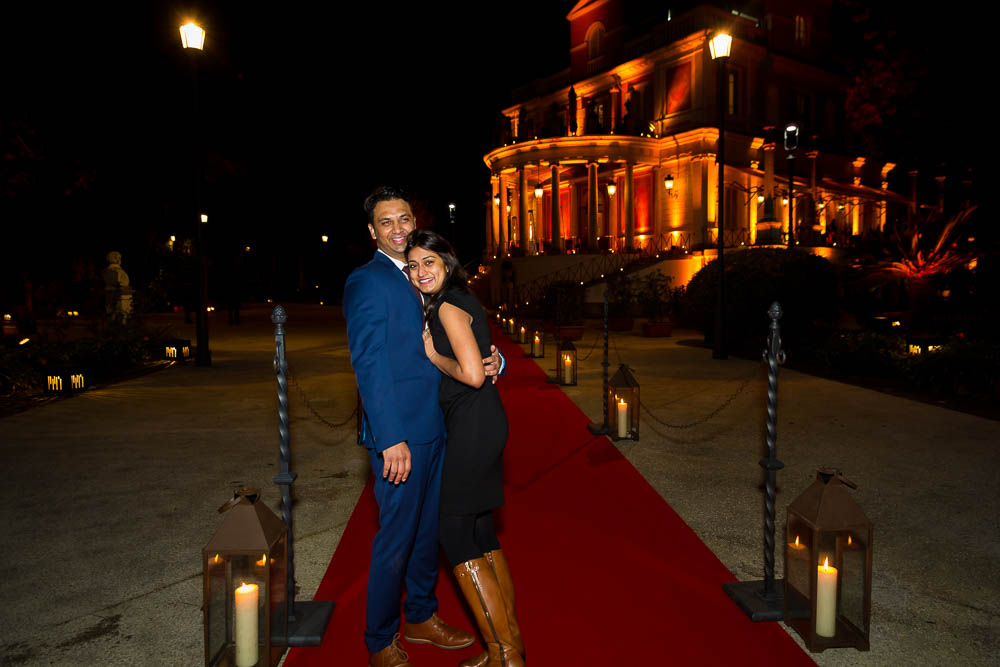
606,573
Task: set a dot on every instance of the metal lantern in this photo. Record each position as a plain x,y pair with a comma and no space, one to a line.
828,566
566,363
522,335
177,349
538,344
64,379
245,565
623,405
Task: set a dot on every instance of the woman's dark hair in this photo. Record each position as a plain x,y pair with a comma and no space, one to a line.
456,276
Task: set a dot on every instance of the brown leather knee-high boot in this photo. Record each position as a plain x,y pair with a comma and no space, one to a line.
498,562
479,585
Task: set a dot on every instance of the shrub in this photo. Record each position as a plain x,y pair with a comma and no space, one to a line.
804,284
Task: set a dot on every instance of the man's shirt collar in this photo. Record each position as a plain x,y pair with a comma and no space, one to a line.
400,264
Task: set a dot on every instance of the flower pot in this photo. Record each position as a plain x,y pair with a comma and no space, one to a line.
657,329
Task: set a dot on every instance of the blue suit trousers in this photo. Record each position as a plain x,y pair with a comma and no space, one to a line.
405,550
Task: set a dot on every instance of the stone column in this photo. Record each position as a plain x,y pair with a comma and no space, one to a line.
522,210
616,97
658,202
613,215
574,212
555,222
493,233
592,206
629,206
504,217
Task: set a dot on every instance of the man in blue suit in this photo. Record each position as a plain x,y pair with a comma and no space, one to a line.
403,430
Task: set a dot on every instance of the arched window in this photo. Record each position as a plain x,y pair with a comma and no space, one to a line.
595,40
801,31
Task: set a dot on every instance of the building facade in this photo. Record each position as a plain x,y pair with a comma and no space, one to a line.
618,152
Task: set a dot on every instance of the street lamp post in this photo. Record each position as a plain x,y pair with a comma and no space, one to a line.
193,41
719,46
791,143
451,216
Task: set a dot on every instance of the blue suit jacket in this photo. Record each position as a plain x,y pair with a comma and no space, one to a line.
398,384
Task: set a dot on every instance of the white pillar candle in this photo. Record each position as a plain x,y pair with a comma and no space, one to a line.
246,625
521,339
622,418
567,368
536,347
826,600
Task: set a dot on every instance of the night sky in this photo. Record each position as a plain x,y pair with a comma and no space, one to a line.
303,108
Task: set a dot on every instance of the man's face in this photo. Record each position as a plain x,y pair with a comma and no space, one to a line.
393,221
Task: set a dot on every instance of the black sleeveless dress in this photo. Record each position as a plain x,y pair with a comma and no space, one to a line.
475,421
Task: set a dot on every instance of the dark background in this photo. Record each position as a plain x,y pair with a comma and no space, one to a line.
304,107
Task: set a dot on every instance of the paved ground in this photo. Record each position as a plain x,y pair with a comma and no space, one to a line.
112,494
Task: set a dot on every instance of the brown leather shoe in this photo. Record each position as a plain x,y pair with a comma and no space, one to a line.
436,632
392,655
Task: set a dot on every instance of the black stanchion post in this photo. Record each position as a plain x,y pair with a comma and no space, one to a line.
764,601
307,621
602,428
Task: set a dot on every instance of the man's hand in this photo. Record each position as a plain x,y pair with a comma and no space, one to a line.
491,364
396,463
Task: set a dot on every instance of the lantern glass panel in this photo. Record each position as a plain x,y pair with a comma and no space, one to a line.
852,548
538,344
798,564
216,632
566,364
623,405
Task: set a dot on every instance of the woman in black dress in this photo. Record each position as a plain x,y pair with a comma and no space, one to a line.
456,334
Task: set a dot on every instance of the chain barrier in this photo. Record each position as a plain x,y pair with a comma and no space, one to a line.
305,401
697,422
592,347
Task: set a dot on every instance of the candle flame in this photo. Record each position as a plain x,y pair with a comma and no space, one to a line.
848,539
216,559
796,540
246,588
826,563
621,401
263,560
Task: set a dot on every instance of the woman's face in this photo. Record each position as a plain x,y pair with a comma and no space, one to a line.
427,270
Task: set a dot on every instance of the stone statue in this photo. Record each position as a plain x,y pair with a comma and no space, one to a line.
117,290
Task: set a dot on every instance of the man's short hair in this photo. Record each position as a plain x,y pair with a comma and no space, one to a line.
383,193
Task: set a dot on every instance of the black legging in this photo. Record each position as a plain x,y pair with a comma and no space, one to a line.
467,536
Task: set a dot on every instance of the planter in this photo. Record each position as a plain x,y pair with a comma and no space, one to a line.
657,329
571,331
621,323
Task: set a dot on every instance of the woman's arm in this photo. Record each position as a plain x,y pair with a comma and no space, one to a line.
467,367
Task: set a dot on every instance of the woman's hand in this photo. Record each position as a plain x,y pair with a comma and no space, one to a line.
429,345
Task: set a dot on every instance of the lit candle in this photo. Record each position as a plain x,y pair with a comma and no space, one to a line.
536,347
246,625
622,418
826,600
796,546
522,334
263,560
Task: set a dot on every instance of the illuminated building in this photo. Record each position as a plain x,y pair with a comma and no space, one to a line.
637,109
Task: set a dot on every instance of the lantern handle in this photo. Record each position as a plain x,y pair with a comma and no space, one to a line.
826,474
249,493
